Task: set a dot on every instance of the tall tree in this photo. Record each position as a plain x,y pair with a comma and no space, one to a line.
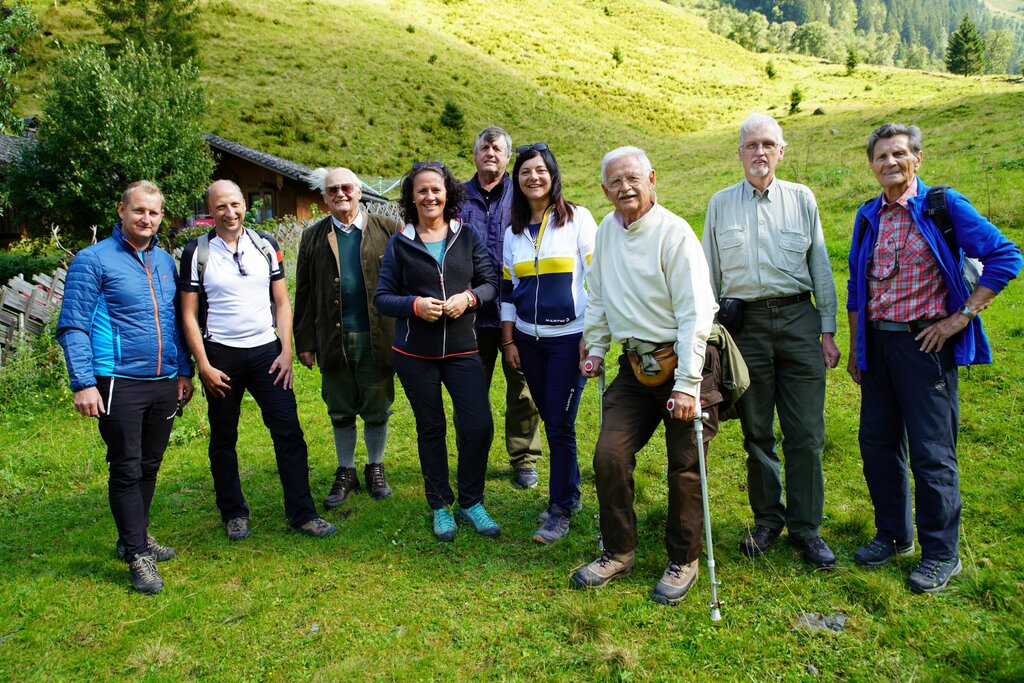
17,24
149,22
107,122
998,50
966,52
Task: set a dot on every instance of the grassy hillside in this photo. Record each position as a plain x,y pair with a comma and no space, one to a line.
383,600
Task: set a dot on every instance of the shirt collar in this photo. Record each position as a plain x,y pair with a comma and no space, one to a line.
903,198
752,193
358,222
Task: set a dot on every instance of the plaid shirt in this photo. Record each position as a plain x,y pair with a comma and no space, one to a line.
904,280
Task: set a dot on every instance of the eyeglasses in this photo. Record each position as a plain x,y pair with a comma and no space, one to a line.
618,182
537,147
347,188
881,249
766,146
238,262
420,165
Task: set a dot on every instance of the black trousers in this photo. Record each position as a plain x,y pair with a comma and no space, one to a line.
136,428
463,376
249,369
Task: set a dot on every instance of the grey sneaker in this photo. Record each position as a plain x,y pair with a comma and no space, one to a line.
525,477
318,527
878,551
238,528
675,582
932,576
554,527
159,553
145,577
576,506
602,570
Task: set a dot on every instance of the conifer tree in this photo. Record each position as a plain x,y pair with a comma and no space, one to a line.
966,52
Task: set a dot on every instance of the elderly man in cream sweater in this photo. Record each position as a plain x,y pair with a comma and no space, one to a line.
649,290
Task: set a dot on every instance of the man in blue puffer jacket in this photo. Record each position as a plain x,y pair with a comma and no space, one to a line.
128,365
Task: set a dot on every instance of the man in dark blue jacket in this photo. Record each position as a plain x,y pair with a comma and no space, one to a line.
488,208
913,320
128,365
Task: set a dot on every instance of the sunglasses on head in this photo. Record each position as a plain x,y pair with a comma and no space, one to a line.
346,188
537,147
420,165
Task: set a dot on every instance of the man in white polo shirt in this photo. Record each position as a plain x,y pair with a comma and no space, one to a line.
229,279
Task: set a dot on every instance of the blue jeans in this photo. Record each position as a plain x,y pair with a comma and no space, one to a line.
910,398
463,376
551,366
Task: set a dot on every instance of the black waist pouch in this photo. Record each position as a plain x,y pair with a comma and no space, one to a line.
730,314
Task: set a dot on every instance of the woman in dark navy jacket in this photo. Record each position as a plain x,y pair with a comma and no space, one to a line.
434,274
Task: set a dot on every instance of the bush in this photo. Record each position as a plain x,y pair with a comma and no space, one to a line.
106,123
770,69
29,257
617,55
796,96
452,116
33,377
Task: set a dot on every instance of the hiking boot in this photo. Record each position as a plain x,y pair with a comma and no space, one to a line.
346,482
478,518
815,550
238,528
932,576
318,527
576,506
554,527
145,577
757,541
879,551
601,571
675,582
444,525
525,477
159,553
376,483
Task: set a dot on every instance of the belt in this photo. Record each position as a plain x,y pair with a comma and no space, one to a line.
912,326
779,302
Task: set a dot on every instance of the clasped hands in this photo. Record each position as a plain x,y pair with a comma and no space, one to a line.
430,309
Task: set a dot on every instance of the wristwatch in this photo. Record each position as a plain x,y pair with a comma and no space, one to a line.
967,311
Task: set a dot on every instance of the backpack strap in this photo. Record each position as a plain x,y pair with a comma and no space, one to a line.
201,257
935,208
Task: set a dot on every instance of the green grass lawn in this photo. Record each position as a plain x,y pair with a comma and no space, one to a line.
384,600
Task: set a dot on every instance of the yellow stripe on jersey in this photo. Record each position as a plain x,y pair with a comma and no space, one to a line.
506,274
546,266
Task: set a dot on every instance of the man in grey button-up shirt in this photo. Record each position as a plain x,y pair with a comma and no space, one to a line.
764,245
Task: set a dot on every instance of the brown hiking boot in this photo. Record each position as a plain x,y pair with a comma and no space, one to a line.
602,570
346,482
675,582
376,482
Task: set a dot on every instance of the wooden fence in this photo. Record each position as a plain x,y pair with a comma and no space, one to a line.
25,307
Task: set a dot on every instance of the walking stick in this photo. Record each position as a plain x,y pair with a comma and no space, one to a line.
589,367
698,429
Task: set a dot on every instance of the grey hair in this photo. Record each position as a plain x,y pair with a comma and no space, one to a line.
143,186
620,152
891,130
490,134
759,120
317,178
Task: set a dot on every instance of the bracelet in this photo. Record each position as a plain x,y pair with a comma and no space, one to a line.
469,300
507,344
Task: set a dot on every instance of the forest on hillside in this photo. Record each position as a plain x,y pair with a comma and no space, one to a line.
909,33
